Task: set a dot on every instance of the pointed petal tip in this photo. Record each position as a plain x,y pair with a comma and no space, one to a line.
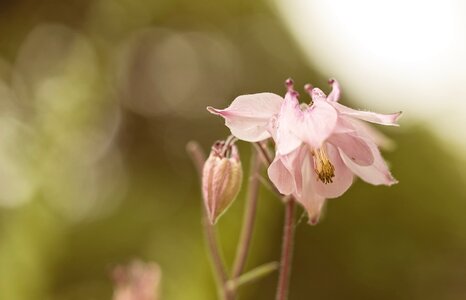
314,216
392,181
289,82
389,181
218,112
335,94
308,88
395,117
313,221
213,110
398,115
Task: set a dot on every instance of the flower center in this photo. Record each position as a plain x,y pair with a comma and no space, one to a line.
323,167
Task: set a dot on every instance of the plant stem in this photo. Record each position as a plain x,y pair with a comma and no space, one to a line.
248,218
198,157
253,275
261,148
287,250
220,273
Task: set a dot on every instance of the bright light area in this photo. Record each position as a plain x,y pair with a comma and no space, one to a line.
391,55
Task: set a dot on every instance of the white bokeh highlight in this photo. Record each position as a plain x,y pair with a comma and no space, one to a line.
391,55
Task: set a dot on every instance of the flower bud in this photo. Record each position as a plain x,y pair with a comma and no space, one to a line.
221,179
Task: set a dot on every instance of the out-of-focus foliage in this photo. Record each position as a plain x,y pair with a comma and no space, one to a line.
97,101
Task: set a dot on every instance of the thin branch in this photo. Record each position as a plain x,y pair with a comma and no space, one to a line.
198,157
265,155
253,275
220,272
287,250
267,161
249,217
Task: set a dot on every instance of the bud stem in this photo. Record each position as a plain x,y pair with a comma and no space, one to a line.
216,258
249,217
287,250
198,157
261,148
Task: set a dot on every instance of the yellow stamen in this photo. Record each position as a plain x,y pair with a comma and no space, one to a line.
323,167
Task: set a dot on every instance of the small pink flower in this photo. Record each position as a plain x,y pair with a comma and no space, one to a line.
320,146
137,281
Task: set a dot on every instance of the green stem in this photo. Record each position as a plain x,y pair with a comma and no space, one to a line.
253,275
248,219
198,157
213,246
287,250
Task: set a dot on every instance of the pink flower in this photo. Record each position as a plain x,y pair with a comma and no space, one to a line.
320,146
137,281
317,158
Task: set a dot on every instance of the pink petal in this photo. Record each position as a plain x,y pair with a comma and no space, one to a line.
249,116
318,95
367,130
354,147
285,172
290,113
377,173
342,180
345,125
311,201
280,176
335,94
390,119
316,124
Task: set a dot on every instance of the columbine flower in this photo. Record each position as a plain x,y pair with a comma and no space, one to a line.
316,158
137,281
221,178
319,146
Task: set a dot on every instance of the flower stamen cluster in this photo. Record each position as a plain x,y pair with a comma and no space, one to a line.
323,167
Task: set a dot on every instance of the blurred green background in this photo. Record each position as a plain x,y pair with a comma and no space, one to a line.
97,102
